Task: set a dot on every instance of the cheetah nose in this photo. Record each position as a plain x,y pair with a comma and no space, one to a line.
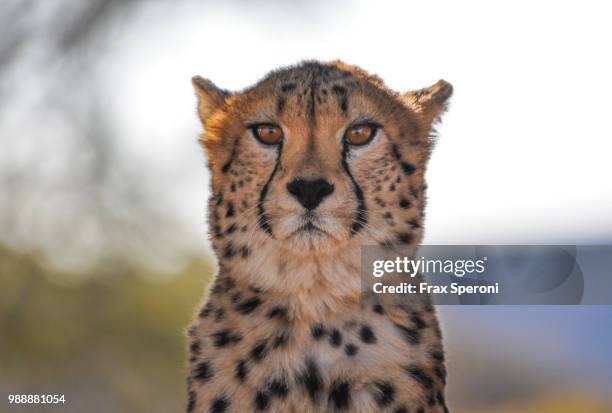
310,192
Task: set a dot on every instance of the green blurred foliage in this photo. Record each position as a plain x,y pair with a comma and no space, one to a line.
112,338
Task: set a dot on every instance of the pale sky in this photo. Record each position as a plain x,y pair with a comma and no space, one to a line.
523,153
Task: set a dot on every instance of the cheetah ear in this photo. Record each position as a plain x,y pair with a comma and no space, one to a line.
210,97
431,101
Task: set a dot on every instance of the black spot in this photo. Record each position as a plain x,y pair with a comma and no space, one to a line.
248,306
411,336
367,335
205,312
413,223
414,192
335,338
233,187
230,212
440,372
217,231
340,394
231,229
431,399
203,372
280,105
279,388
339,90
245,252
311,379
195,347
219,314
236,297
396,152
219,198
380,202
351,350
255,289
191,401
228,250
317,331
421,410
405,238
392,187
220,405
225,284
418,321
400,409
262,401
419,375
226,167
405,203
259,352
385,393
408,168
277,312
242,370
224,338
344,104
438,356
377,308
287,87
280,340
440,398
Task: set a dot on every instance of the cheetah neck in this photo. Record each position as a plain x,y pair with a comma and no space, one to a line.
311,286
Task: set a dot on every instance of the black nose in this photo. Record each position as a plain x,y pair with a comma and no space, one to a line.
310,192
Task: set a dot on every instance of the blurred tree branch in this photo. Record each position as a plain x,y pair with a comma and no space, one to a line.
64,178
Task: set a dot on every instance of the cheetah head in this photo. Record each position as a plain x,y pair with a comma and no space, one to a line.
315,158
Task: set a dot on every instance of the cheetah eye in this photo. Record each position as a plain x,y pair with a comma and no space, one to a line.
360,134
268,133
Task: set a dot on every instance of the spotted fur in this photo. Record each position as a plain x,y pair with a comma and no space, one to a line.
284,328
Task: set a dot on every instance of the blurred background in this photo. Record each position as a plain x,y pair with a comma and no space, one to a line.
103,247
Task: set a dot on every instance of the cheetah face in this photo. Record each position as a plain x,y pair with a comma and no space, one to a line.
317,157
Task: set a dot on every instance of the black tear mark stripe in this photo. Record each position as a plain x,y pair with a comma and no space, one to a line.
408,168
263,219
361,215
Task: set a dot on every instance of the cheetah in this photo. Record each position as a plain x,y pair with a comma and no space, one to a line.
308,165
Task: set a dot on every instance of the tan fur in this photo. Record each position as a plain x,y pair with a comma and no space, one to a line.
266,263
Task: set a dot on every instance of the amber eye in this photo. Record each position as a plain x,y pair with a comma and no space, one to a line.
268,133
360,134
